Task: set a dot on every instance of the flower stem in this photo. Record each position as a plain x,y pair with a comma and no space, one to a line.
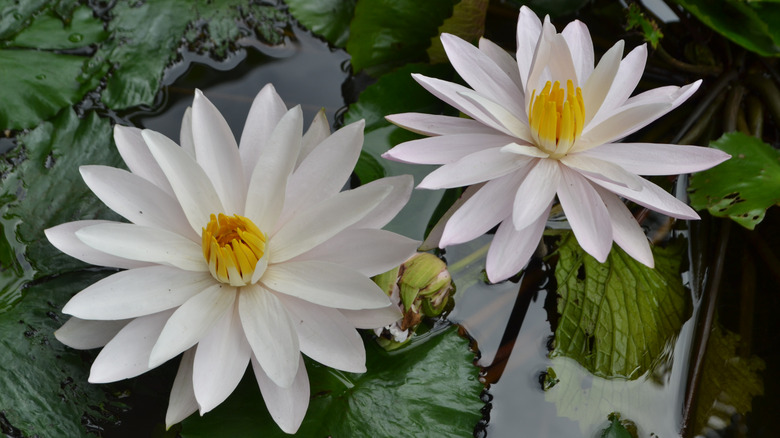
699,70
703,112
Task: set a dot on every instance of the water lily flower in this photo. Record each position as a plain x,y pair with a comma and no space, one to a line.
234,255
543,124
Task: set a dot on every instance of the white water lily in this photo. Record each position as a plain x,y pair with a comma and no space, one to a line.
235,255
544,124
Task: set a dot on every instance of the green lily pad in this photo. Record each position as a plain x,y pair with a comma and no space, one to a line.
430,388
742,188
49,31
616,317
385,34
467,22
616,429
327,18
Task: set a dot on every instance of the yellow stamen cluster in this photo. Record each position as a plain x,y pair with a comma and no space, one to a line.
232,247
556,117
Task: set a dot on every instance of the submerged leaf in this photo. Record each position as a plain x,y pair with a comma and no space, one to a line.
467,22
742,188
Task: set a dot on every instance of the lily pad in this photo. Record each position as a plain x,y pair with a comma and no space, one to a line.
430,388
616,317
327,18
50,31
467,22
742,188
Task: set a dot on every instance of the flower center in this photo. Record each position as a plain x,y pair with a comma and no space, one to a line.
232,246
556,117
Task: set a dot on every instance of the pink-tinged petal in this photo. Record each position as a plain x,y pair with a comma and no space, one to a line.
320,222
372,318
368,251
475,168
658,159
275,163
192,187
137,199
529,29
525,150
271,333
652,197
266,111
535,193
318,131
221,358
326,336
191,321
216,151
401,189
586,214
628,75
84,334
483,75
511,249
137,292
323,173
483,210
326,284
505,62
595,89
145,244
445,149
504,120
580,46
182,403
185,133
127,354
432,124
602,169
287,406
139,159
625,230
63,237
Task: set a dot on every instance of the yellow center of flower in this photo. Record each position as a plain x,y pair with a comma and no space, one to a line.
232,247
556,117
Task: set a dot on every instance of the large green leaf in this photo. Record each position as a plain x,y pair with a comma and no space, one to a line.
751,24
617,316
44,384
50,31
467,22
430,388
743,187
388,33
327,18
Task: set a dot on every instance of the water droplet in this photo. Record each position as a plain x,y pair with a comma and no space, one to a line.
17,16
40,77
75,37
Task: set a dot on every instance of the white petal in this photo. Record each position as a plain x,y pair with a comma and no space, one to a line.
127,354
326,336
139,159
401,189
652,197
433,240
185,133
221,358
586,214
271,333
625,230
84,334
137,199
505,62
504,120
216,151
445,149
511,249
318,131
529,28
266,111
658,159
372,318
602,169
63,237
192,187
287,406
145,244
483,210
275,162
536,192
483,75
598,84
137,292
525,150
323,173
367,251
477,167
431,124
326,284
191,321
626,79
324,220
182,403
580,45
